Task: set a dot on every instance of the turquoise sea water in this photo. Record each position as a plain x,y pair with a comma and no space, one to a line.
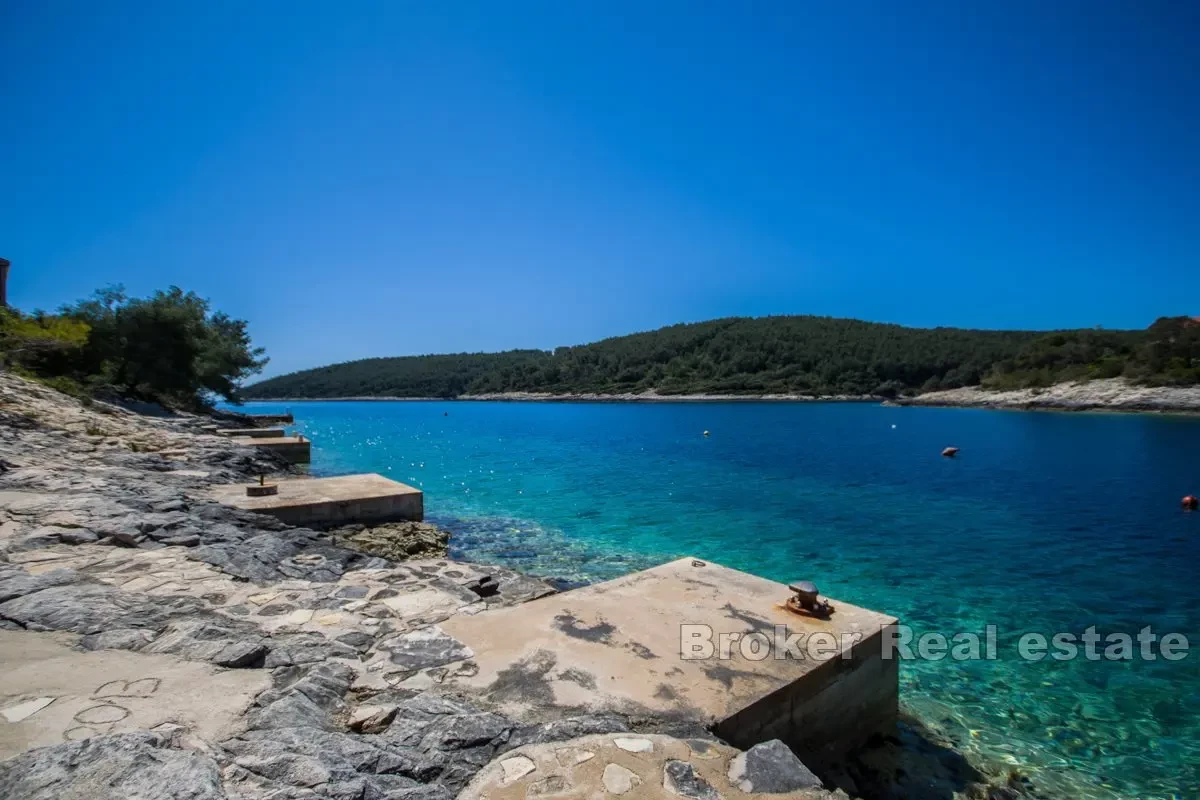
1045,523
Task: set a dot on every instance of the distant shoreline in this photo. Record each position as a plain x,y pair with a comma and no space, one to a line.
1107,395
584,397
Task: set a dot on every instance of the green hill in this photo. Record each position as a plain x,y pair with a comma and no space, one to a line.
793,354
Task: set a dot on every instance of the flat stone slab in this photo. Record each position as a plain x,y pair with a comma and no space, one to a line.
296,449
332,501
51,693
253,433
268,418
619,646
660,767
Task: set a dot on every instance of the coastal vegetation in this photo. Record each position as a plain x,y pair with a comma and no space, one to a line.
804,355
169,348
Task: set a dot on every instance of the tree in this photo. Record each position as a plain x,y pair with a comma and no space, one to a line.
168,347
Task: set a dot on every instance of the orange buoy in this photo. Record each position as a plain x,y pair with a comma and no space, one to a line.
950,452
1190,502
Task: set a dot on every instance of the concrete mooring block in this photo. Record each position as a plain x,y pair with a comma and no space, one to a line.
295,449
672,641
327,502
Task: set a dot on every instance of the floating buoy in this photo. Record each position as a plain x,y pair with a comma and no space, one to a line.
950,452
1190,502
706,433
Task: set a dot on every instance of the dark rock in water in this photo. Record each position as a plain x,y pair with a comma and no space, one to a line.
771,768
566,584
114,767
517,554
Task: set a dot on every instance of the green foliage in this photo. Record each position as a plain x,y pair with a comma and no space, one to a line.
62,383
168,348
40,343
799,355
1168,352
792,355
422,376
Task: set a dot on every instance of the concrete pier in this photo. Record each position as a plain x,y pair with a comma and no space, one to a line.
271,419
253,433
652,642
295,449
325,502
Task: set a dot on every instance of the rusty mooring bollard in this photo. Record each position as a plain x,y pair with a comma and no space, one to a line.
807,600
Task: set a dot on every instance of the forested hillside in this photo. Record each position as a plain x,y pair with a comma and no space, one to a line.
741,356
800,355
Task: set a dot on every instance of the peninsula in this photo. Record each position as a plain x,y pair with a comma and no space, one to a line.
799,358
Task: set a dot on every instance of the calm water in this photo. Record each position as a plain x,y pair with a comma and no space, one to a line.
1045,522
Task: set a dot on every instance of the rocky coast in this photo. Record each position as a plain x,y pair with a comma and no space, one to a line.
157,644
1111,394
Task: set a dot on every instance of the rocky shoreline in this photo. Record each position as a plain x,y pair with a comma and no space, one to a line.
592,397
155,644
1112,394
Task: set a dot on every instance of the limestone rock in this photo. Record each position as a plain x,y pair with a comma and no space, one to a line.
632,744
680,778
516,768
425,647
772,768
371,718
619,780
91,608
16,582
397,541
118,639
127,766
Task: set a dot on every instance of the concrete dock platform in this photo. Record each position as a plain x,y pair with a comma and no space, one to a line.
326,502
253,433
295,449
270,419
696,641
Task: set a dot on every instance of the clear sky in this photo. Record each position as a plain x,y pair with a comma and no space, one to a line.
407,177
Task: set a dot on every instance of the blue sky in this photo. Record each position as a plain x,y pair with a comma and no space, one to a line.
405,177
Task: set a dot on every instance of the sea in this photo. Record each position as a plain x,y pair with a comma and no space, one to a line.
1044,524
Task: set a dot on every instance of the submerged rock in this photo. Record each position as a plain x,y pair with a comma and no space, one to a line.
397,541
